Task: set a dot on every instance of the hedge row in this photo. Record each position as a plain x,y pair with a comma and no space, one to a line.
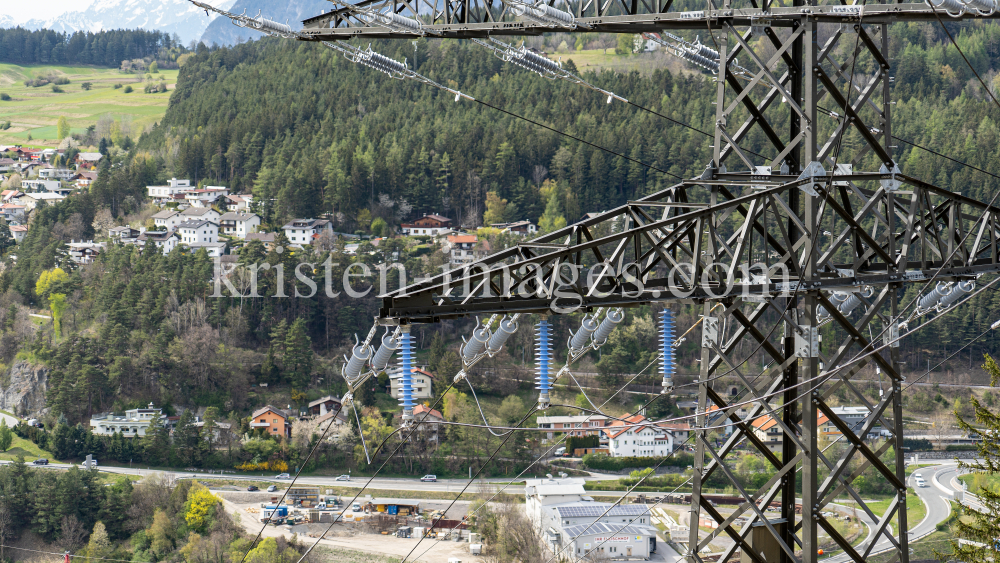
608,463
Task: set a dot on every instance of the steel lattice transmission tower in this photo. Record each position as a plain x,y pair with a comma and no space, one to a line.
833,230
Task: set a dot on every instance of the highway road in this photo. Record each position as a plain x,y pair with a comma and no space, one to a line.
381,483
935,494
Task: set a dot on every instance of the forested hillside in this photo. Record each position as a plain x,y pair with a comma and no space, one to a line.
104,48
310,133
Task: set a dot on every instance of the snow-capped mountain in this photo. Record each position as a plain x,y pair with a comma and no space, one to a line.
169,16
223,32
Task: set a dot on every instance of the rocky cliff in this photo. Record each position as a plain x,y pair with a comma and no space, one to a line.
22,392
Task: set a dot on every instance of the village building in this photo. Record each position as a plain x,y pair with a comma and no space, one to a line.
239,225
303,231
85,252
18,232
197,230
135,422
637,437
523,228
164,240
272,420
430,225
165,194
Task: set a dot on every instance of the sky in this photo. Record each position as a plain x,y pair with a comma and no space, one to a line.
44,9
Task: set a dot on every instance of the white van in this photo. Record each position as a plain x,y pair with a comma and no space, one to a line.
560,451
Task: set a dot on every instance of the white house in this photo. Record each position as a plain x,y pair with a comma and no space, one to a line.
214,249
42,185
18,232
196,230
167,219
239,225
205,197
238,203
30,201
421,380
12,212
636,437
302,231
163,194
56,174
431,225
134,423
201,213
164,240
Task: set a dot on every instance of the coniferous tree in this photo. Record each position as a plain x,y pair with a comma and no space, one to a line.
298,354
981,526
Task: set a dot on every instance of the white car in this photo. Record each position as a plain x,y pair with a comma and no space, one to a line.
356,507
919,481
283,476
344,478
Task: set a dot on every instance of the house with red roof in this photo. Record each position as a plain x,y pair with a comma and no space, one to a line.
636,436
466,249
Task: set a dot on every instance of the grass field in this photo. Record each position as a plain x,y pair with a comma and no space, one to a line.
915,508
35,111
26,448
975,481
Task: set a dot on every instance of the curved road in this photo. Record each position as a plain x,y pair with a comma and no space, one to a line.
936,495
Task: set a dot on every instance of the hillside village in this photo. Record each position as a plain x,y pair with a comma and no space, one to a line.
205,217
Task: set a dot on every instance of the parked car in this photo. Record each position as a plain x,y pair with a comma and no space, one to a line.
272,489
321,506
429,478
252,488
560,451
41,461
344,478
356,507
283,476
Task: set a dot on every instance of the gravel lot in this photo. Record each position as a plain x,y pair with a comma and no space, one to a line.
352,536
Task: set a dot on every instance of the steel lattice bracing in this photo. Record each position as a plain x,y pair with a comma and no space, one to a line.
482,18
781,242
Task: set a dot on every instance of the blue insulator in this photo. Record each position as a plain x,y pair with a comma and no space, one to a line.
667,350
406,377
543,359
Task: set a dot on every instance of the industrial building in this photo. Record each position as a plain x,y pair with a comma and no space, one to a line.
611,541
571,522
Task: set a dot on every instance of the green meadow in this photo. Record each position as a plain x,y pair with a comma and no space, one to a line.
34,111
